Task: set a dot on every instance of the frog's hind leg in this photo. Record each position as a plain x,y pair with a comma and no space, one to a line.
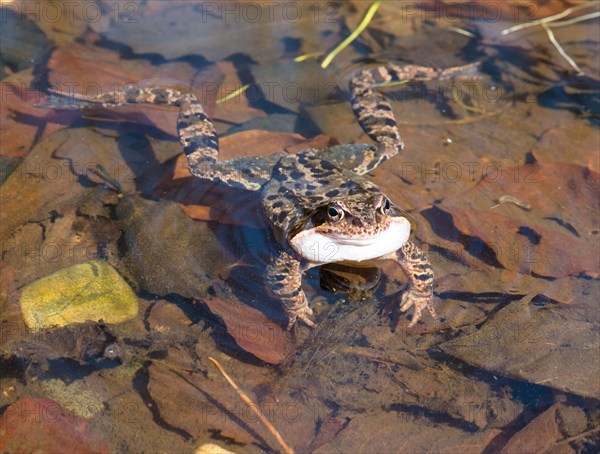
374,112
196,133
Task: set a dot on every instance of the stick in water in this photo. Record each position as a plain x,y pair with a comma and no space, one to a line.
253,407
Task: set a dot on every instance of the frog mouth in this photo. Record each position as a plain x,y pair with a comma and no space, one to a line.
318,247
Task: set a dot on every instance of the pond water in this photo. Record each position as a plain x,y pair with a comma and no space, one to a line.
122,274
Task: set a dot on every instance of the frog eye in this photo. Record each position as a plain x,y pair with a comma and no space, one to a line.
335,213
385,206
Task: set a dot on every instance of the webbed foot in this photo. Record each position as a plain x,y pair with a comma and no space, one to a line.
420,301
420,281
302,314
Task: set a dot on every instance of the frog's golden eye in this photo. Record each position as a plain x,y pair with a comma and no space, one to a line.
335,213
385,206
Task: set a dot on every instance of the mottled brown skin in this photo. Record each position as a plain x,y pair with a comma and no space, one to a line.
304,186
314,191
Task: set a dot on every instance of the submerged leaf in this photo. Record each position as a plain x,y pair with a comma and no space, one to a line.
555,238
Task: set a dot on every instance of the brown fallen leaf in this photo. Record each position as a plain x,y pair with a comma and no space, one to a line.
253,331
542,434
400,431
69,72
200,403
556,238
42,425
576,143
263,143
535,340
22,124
166,318
190,402
327,432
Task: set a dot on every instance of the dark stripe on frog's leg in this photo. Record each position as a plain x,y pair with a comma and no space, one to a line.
374,112
417,268
197,135
284,281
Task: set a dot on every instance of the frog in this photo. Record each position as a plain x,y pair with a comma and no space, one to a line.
320,204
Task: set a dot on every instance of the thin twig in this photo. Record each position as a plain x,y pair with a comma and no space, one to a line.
576,19
462,31
560,50
391,84
233,94
547,19
363,24
301,58
253,407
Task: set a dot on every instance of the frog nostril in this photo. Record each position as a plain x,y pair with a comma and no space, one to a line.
357,222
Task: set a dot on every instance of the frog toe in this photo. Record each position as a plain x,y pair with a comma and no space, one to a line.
291,322
420,302
304,316
305,319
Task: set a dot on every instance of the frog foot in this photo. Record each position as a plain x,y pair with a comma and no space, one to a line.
420,301
303,314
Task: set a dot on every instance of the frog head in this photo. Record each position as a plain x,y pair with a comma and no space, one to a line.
356,227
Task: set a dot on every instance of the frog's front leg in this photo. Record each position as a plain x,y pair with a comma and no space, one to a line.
284,280
417,268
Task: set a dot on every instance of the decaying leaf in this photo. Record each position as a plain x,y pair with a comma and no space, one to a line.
555,238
